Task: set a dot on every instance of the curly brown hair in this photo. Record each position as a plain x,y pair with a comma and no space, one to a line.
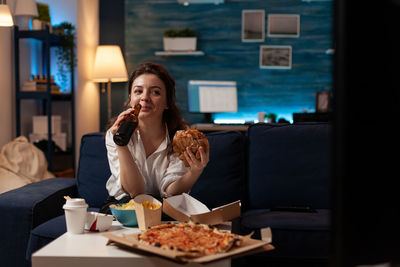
171,116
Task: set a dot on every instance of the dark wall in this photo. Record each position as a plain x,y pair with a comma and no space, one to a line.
112,32
366,214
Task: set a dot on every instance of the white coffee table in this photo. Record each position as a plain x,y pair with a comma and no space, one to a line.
89,249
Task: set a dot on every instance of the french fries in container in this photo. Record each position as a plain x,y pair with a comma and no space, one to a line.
148,211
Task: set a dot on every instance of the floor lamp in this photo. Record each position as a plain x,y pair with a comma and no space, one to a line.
109,66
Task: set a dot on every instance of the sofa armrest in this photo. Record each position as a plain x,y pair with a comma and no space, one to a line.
24,208
40,201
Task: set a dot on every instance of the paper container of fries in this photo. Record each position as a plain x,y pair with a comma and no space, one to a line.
148,211
186,208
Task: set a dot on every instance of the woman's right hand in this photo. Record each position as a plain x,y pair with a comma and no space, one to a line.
121,117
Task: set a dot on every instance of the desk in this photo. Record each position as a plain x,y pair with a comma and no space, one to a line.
209,127
313,117
90,250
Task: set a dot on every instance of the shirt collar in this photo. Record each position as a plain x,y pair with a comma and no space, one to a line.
164,144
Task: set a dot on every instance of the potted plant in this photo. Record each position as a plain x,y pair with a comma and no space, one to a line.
271,117
180,40
43,18
65,52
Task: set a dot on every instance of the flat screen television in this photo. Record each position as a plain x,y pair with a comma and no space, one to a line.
212,97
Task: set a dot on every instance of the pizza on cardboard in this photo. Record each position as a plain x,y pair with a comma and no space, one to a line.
197,235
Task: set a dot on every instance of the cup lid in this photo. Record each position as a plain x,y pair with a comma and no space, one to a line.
75,203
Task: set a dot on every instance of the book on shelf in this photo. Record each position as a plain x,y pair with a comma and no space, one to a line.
35,86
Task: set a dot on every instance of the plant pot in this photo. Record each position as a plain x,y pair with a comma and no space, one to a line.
180,43
41,25
37,24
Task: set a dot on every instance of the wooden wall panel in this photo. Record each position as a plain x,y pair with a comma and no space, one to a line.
228,58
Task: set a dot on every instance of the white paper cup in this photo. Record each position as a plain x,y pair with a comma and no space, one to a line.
75,215
261,116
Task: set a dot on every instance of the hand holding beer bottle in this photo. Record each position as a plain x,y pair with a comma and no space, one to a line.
127,127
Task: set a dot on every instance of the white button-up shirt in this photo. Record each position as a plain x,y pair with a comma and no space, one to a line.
158,170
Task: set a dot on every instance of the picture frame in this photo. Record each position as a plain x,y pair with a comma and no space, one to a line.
283,25
322,101
253,25
275,56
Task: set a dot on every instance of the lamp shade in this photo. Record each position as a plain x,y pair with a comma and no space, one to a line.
109,65
5,16
26,8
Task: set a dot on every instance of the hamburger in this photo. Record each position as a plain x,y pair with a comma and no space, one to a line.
192,139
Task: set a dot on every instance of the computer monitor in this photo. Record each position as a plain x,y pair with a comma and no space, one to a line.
212,97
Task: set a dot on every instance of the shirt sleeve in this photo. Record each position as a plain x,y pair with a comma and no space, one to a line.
176,169
113,184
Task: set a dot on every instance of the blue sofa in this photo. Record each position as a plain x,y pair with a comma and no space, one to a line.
267,167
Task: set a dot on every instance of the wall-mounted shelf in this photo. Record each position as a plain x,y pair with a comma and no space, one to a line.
187,2
179,53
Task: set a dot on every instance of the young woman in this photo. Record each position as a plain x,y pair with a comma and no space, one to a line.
147,164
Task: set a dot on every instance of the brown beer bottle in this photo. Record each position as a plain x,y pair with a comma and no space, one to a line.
127,127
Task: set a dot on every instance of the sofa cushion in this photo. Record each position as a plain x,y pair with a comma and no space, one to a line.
223,180
294,234
289,165
44,234
256,219
93,171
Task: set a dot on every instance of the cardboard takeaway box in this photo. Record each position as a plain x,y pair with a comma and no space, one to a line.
185,208
40,124
248,247
147,217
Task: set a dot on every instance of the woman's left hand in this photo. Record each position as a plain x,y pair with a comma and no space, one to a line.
195,164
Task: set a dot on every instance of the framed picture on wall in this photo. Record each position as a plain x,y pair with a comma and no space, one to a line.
253,25
322,103
275,56
283,25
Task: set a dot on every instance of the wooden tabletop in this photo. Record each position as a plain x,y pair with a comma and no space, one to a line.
218,127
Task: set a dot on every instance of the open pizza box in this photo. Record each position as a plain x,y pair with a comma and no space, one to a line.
249,246
186,208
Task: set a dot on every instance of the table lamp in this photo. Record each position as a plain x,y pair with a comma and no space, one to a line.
6,19
109,66
26,9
